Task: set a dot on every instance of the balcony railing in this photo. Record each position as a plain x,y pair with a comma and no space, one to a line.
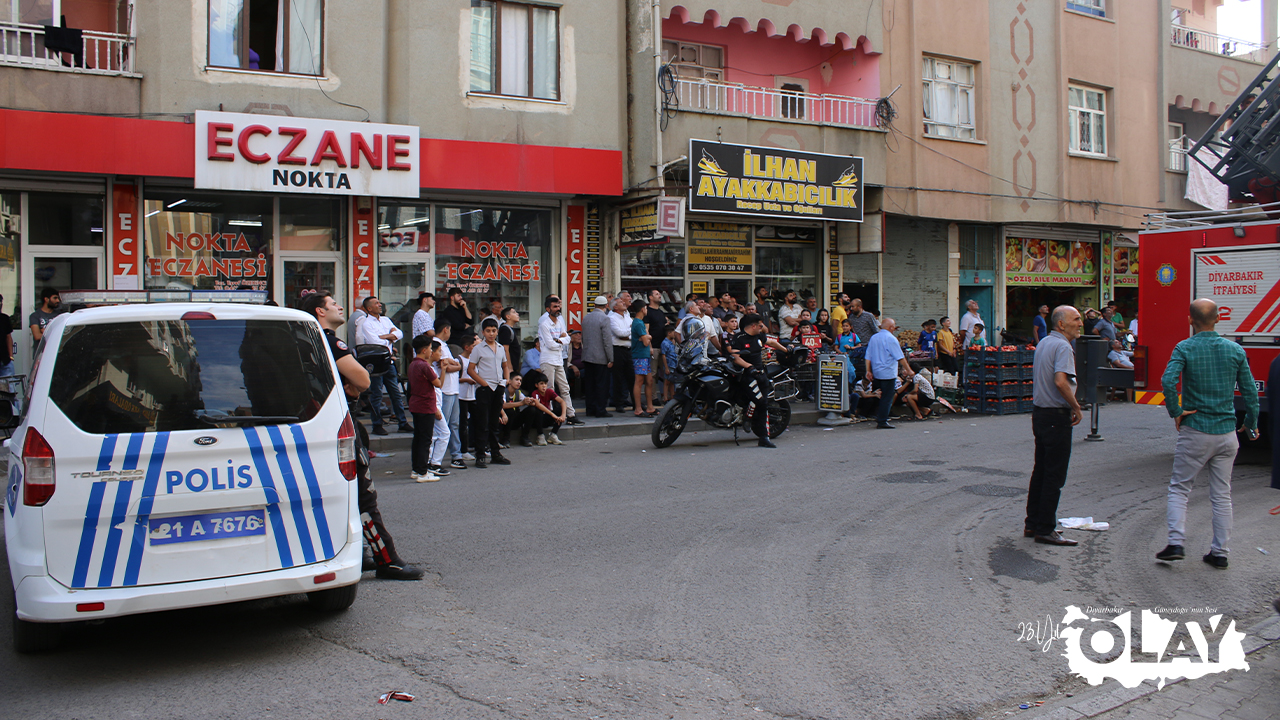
1178,153
1215,44
757,102
102,53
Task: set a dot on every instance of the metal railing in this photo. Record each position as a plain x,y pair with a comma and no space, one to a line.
736,99
103,53
1178,153
1215,44
1205,218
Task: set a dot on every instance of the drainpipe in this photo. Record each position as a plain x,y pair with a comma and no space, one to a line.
1269,20
657,93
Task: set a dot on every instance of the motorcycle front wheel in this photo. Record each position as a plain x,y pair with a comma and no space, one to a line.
670,423
779,417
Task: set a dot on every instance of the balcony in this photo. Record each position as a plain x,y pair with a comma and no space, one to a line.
1178,148
102,53
1214,44
734,99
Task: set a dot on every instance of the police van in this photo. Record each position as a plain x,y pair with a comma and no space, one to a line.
176,455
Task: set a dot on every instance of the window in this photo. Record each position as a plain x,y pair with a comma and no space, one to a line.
272,35
209,242
1088,120
172,375
948,99
792,107
691,60
1179,143
1089,7
515,49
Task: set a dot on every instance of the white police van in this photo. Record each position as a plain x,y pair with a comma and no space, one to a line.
176,455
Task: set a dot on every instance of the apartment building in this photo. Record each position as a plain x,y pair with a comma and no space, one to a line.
231,146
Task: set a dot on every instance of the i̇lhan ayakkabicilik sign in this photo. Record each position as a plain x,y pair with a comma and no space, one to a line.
774,182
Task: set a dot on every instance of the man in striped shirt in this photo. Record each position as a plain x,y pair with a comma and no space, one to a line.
1211,368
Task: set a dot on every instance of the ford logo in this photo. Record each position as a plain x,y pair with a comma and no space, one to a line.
206,440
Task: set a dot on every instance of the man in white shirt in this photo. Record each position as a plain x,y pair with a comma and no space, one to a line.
555,343
423,320
711,324
448,371
967,321
789,314
377,329
623,369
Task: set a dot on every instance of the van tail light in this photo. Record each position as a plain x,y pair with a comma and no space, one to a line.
1140,367
37,463
347,448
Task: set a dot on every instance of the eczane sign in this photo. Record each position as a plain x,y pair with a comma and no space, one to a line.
272,153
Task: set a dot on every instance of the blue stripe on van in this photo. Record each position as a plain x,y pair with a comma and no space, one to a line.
111,553
133,451
295,496
90,530
273,497
154,466
313,485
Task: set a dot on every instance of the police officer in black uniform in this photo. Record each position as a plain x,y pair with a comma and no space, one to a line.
388,565
748,353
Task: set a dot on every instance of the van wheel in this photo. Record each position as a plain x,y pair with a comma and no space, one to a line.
333,600
30,637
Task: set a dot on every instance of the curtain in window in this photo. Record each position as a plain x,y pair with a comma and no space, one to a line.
482,46
305,36
515,49
546,53
224,32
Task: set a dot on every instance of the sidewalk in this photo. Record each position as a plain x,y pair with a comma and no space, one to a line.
1235,695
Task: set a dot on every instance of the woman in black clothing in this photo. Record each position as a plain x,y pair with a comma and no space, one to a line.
823,324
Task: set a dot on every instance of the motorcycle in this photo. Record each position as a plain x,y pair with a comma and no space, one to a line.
711,388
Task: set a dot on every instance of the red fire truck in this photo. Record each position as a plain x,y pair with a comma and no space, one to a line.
1231,258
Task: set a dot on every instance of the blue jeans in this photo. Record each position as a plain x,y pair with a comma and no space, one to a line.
449,408
391,381
6,369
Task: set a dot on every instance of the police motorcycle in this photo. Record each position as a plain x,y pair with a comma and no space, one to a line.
711,388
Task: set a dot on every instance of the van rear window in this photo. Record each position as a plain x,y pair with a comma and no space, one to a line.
162,375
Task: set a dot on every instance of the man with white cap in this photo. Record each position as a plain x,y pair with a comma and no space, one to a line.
597,358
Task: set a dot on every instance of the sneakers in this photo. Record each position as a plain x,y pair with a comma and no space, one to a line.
504,445
553,439
437,470
467,456
497,459
572,421
1171,553
480,463
525,442
398,572
1217,561
380,431
405,428
765,442
457,464
425,478
541,441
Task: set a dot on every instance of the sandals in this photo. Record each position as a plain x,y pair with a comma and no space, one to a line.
647,414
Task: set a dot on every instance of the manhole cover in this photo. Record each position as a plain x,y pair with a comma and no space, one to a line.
921,477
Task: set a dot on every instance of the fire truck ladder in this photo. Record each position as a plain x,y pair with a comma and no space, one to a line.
1250,146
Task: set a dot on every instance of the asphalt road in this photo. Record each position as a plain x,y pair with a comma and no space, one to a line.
852,573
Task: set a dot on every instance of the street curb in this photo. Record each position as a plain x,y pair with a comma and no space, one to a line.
403,442
1103,700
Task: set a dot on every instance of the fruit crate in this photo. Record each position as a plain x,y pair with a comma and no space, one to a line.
1001,373
975,357
1007,406
1002,357
1026,355
1027,372
1026,405
1002,391
974,403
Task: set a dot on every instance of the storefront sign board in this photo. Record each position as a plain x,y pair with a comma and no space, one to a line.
126,238
833,381
575,266
719,248
1029,261
671,216
362,240
640,226
774,182
1125,265
698,287
271,153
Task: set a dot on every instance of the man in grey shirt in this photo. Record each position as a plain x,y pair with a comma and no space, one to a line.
1056,412
597,356
489,369
1106,328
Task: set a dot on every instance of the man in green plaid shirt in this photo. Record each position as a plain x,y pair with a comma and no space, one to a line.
1211,367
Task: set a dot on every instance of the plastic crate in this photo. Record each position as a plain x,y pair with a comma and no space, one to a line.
1026,356
1002,357
1002,391
1001,373
1027,372
1008,406
975,357
1026,405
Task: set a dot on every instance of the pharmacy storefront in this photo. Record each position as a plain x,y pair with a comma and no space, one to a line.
264,208
756,217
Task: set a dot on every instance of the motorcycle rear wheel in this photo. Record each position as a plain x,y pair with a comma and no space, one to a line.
670,423
779,417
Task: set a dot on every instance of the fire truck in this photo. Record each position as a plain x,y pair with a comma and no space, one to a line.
1231,257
